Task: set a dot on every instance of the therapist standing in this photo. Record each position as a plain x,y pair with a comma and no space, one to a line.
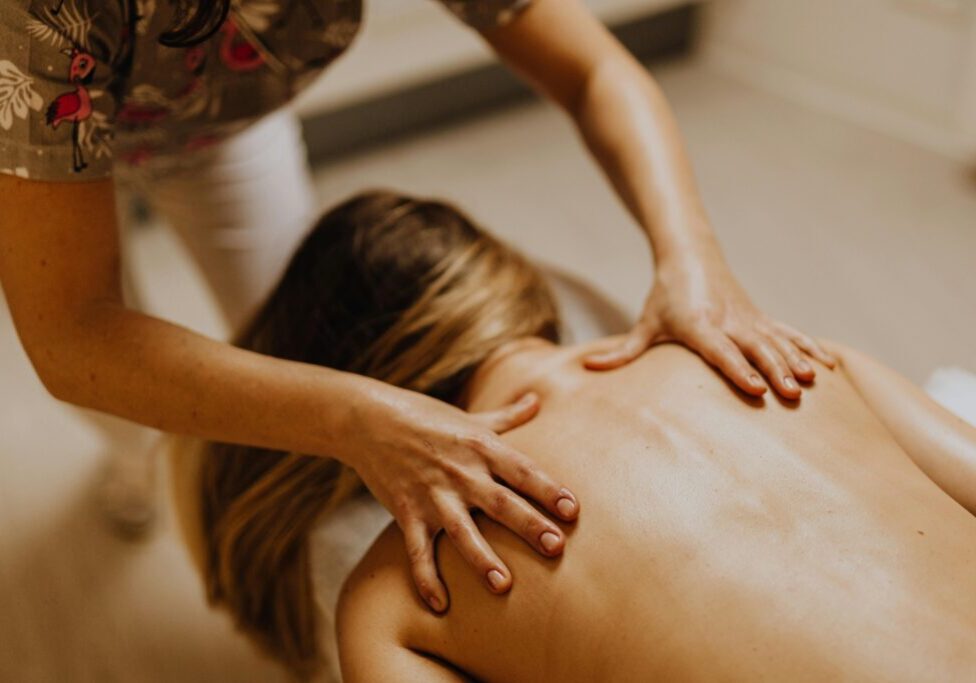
180,101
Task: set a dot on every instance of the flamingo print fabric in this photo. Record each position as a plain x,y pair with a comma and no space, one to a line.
85,86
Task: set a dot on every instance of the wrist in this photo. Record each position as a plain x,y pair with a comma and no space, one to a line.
702,256
357,405
683,240
372,412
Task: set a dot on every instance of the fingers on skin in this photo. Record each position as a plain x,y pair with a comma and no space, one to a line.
632,346
719,350
515,513
474,549
808,344
800,367
521,474
420,550
511,416
764,355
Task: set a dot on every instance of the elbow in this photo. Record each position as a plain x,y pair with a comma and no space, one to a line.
53,375
53,368
63,351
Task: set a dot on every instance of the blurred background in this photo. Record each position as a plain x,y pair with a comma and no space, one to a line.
834,141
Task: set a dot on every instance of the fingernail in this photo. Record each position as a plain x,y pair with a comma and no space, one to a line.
566,506
804,366
435,602
496,579
790,383
549,541
528,399
755,381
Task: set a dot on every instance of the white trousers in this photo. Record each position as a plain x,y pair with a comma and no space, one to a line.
241,208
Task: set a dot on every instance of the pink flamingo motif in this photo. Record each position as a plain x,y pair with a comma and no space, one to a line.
236,52
75,106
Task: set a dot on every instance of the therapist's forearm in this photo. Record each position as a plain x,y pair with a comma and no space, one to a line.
158,374
629,128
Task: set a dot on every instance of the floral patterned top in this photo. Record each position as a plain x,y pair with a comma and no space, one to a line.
85,84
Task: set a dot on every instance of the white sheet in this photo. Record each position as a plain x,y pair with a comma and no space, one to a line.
955,390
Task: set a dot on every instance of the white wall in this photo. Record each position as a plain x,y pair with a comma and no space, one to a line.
907,67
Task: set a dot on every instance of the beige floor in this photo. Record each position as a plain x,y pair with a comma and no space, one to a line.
841,231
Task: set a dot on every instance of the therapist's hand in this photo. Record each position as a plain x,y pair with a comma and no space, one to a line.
699,303
430,464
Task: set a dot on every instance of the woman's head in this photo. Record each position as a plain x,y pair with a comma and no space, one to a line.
404,290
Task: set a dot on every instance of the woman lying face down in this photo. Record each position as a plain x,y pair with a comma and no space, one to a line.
724,537
404,290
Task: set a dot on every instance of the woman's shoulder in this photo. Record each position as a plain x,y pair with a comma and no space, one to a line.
378,599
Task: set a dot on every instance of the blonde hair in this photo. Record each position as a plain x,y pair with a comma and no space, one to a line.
403,290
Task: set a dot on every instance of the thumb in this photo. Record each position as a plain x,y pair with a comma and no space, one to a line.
626,350
512,415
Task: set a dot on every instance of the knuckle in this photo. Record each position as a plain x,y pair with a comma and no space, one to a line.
456,474
754,344
417,552
782,347
480,443
700,327
738,336
788,330
778,357
719,351
766,352
809,343
498,503
523,473
402,509
728,349
700,319
510,414
640,335
631,347
454,528
793,354
532,527
549,490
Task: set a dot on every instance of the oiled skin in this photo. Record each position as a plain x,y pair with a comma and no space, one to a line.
720,539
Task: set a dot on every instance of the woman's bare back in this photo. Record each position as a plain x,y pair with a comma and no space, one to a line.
721,538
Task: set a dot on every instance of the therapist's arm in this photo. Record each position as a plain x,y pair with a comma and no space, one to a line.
627,124
428,462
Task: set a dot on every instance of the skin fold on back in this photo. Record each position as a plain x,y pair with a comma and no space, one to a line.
720,538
